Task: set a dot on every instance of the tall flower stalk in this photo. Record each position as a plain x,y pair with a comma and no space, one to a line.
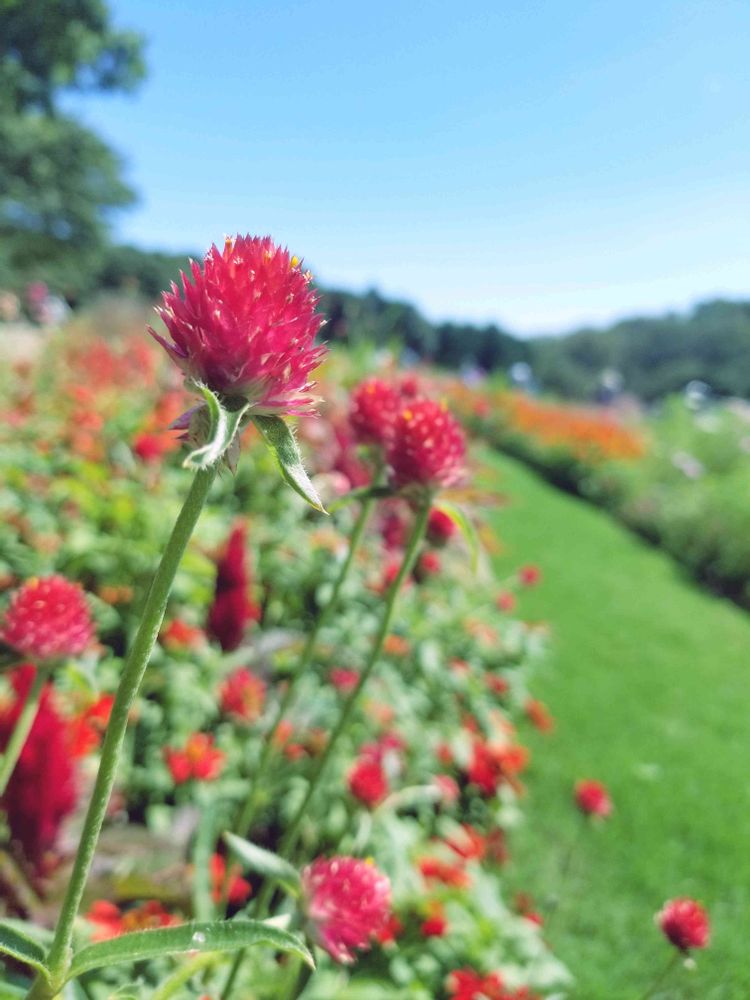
21,729
59,957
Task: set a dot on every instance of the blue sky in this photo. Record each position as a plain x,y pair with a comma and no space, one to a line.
539,164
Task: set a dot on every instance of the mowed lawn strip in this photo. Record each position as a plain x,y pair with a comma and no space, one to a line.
649,682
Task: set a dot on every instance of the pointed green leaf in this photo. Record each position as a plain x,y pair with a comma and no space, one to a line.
23,948
222,428
464,525
218,935
264,862
280,440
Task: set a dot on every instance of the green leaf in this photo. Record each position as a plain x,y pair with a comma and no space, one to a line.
23,948
264,862
464,525
280,440
218,935
223,425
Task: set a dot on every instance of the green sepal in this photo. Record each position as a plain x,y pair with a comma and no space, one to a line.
223,424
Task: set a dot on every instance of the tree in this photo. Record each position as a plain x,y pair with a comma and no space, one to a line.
58,181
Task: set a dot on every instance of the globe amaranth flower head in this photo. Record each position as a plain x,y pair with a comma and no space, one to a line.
245,326
347,901
427,448
593,799
373,408
48,618
684,923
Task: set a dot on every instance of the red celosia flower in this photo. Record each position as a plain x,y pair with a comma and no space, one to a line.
41,792
372,412
529,576
592,798
109,921
440,527
435,870
368,782
539,715
435,924
506,601
242,695
246,325
199,759
427,448
238,890
685,924
347,902
48,618
232,609
343,679
86,729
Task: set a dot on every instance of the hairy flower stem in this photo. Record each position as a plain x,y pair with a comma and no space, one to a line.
289,840
21,729
59,958
244,823
673,961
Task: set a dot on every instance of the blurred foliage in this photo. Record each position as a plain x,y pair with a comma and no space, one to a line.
58,180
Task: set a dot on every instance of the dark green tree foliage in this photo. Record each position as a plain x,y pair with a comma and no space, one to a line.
58,180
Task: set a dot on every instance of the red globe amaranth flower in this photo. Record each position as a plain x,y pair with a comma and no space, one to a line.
246,325
592,798
435,924
440,527
685,924
490,766
427,448
198,759
343,678
109,921
86,729
506,601
41,792
237,891
466,984
372,411
347,902
152,447
426,566
48,618
242,695
529,576
232,610
368,782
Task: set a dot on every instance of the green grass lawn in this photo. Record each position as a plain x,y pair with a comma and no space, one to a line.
649,685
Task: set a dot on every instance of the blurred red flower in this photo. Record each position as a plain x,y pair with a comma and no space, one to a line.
428,447
48,618
684,923
232,610
242,695
368,782
593,799
198,759
110,921
373,407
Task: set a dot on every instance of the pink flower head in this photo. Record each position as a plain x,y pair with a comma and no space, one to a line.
347,902
47,618
440,527
373,409
684,923
592,798
246,325
428,447
368,782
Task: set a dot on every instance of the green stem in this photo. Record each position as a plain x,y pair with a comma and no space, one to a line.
22,729
245,821
673,961
59,957
289,839
183,975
